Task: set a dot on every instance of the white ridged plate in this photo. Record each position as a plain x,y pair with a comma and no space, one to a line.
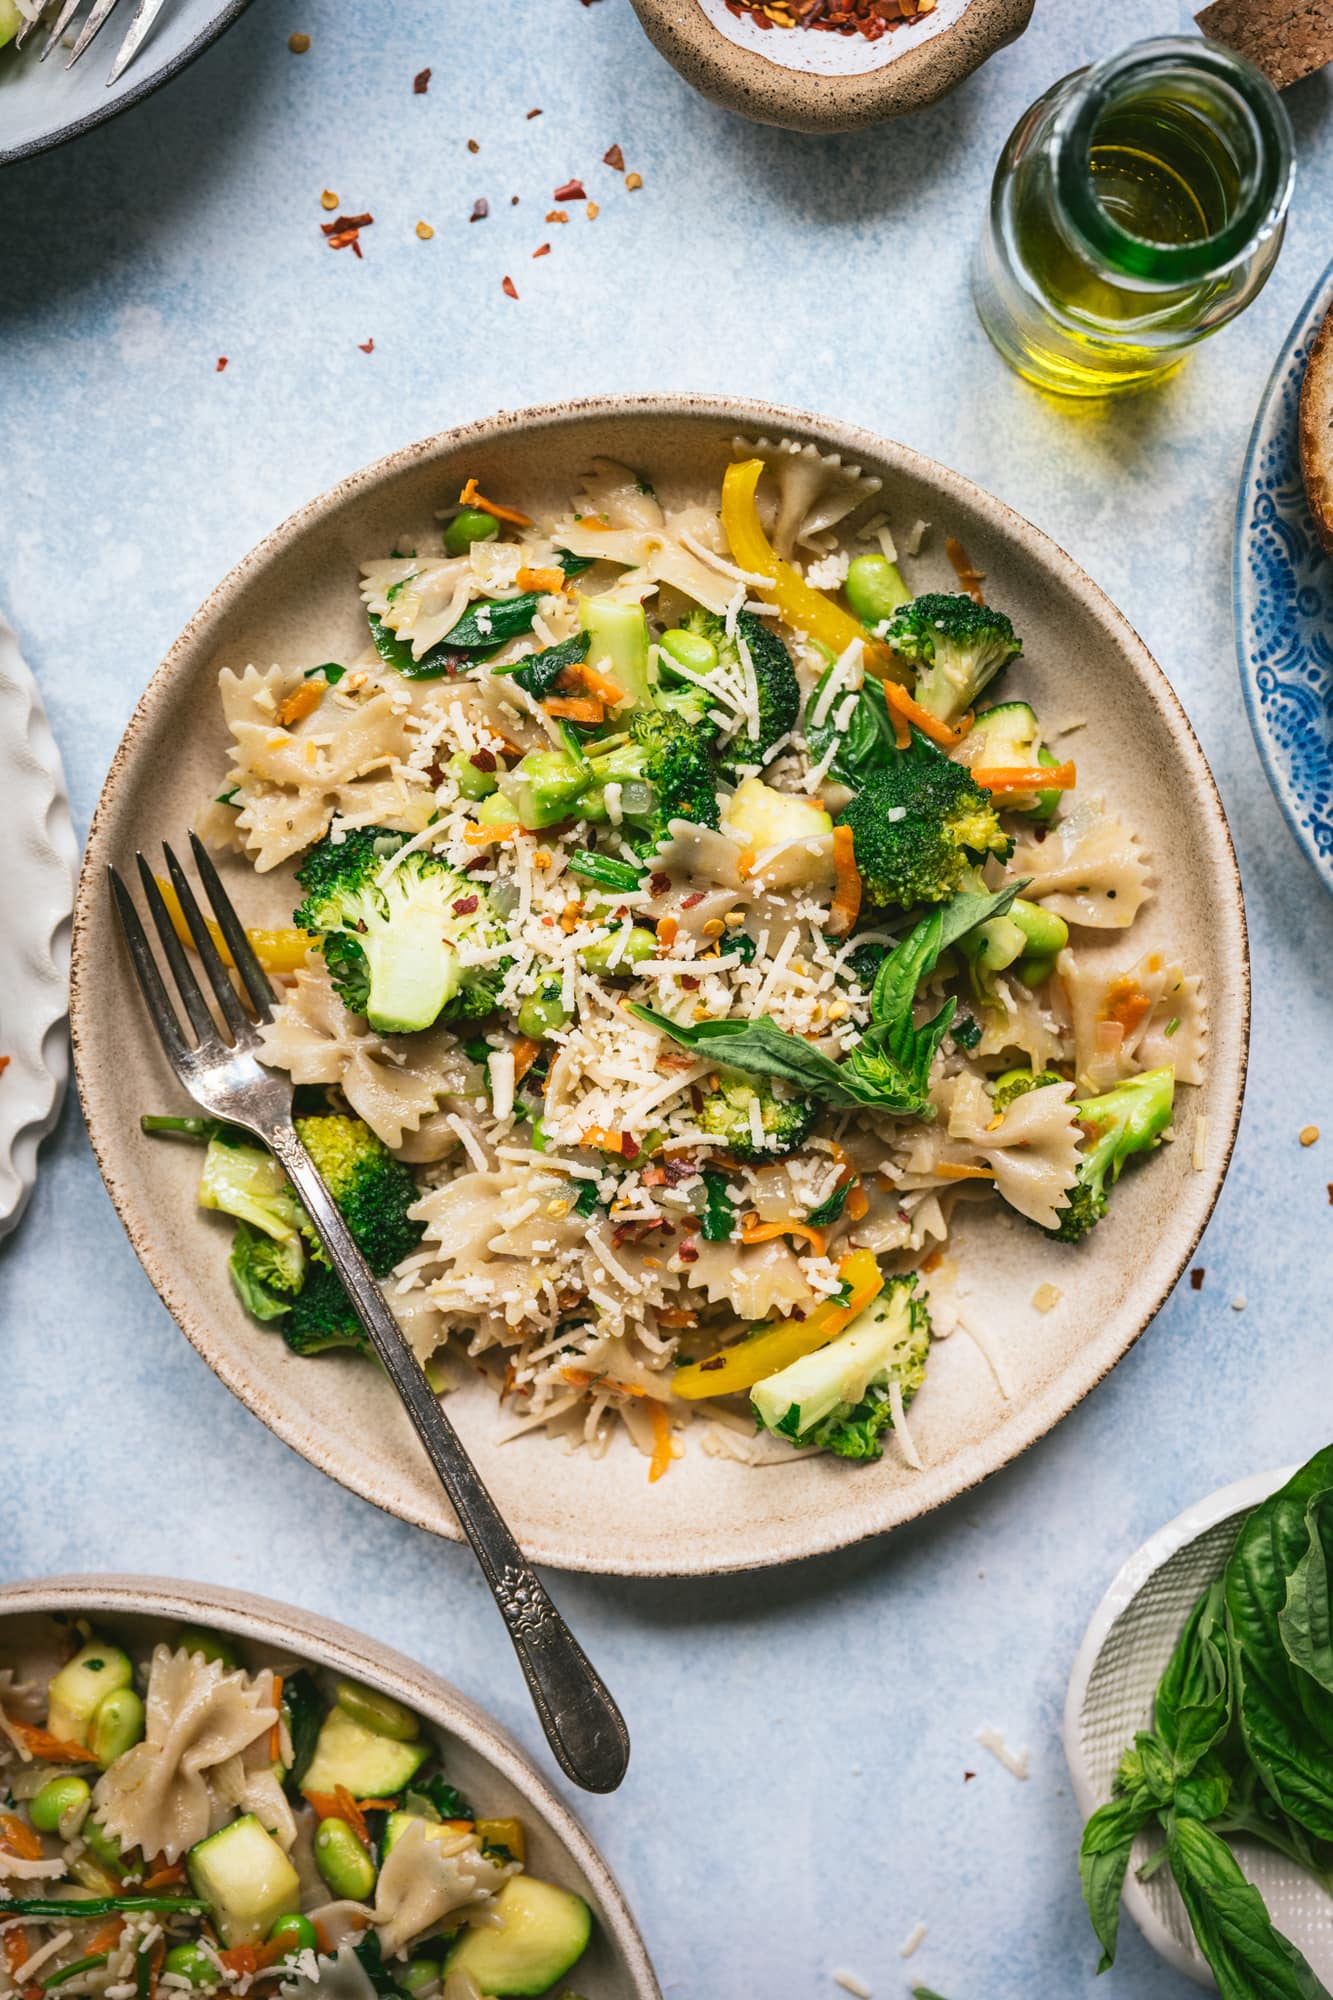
36,900
1124,1651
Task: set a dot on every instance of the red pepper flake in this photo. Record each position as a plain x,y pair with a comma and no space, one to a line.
613,157
536,113
557,215
421,83
222,362
543,251
1197,1278
4,1063
659,883
366,346
680,1169
688,902
466,905
968,1777
513,201
571,191
483,760
344,232
509,288
689,1254
481,208
472,146
633,182
689,982
1329,1184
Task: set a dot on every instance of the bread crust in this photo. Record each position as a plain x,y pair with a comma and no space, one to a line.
1316,431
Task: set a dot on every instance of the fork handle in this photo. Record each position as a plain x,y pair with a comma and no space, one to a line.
583,1726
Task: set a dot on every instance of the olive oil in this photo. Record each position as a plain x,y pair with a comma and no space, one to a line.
1136,207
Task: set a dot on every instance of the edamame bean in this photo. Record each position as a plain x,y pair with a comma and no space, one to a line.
296,1932
377,1711
471,780
343,1861
192,1962
117,1725
994,945
1033,969
469,526
1045,932
53,1809
210,1647
103,1845
617,953
542,1012
875,589
419,1973
689,649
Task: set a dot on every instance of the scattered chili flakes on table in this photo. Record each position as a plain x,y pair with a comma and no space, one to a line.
557,215
472,146
571,191
298,44
535,112
421,83
871,18
592,211
1309,1135
633,181
328,199
481,208
424,231
222,362
613,157
510,289
4,1063
366,346
544,250
1197,1276
344,232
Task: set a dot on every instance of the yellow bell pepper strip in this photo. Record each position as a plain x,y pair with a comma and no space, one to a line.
770,1348
277,951
806,609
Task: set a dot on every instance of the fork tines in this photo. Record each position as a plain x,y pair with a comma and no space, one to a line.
145,15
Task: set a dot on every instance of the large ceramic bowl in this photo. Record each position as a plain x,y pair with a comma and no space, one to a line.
295,598
480,1759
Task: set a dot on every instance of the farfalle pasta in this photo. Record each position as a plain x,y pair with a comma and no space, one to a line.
699,927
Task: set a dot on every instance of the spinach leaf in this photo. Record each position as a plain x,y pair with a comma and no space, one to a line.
476,632
305,1717
1250,1959
585,1201
441,1797
1306,1618
330,672
396,653
868,741
719,1213
829,1211
1103,1858
371,1958
538,674
571,564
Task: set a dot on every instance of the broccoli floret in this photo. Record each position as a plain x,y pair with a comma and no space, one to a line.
672,762
775,682
267,1273
373,1189
725,1115
918,826
956,646
322,1317
391,947
1127,1120
838,1397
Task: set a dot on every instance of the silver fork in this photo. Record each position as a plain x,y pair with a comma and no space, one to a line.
145,15
582,1723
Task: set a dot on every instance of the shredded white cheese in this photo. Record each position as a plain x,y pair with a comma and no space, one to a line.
912,1942
1014,1761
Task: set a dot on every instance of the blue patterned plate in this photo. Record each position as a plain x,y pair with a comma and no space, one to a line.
1282,585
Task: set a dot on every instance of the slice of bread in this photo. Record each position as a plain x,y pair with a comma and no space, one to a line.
1317,431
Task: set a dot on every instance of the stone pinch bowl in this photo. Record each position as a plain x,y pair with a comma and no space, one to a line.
294,598
810,81
485,1763
1123,1655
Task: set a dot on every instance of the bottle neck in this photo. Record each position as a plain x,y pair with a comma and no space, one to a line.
1171,163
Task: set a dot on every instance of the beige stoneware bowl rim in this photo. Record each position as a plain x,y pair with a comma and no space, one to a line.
267,1621
1067,1388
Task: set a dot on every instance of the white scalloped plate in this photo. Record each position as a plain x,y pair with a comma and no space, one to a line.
36,901
1124,1652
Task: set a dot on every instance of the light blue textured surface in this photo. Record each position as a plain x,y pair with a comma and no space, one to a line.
797,1799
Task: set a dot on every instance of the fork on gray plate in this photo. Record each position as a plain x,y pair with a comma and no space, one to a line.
221,1070
145,15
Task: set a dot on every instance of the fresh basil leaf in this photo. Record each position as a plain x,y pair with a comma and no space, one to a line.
1305,1621
538,674
1249,1957
1193,1707
830,1210
719,1213
1103,1858
762,1048
868,741
477,632
916,957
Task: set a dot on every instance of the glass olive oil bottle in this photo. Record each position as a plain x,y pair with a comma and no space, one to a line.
1137,206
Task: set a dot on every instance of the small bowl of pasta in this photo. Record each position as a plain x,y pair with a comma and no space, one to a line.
267,1804
760,965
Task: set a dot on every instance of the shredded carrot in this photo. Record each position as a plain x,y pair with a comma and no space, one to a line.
575,707
105,1938
581,1378
51,1749
163,1878
858,1201
902,705
275,1733
470,497
549,580
247,1959
755,1231
601,685
482,836
846,905
677,1316
667,931
18,1838
968,575
459,1825
1127,1005
604,1141
959,1170
660,1462
525,1053
902,735
352,1813
745,861
16,1949
932,1260
302,701
1027,778
324,1805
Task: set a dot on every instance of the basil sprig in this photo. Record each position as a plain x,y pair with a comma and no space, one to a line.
889,1069
1242,1748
